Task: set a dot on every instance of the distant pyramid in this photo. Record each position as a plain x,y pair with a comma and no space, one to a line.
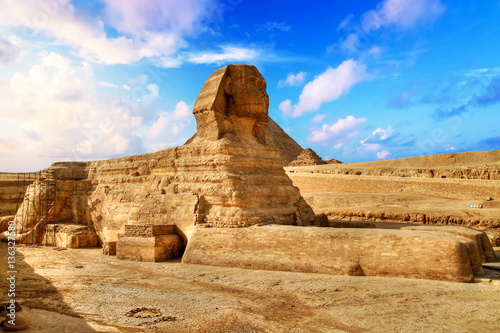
333,161
282,142
307,157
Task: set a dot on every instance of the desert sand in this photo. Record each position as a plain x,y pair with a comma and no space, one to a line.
424,189
81,290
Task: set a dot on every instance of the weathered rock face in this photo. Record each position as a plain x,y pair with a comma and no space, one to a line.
226,175
307,157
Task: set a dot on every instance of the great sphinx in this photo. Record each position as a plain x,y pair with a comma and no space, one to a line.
226,175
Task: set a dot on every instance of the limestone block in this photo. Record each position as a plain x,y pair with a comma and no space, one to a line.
70,236
153,249
109,248
486,252
148,230
370,252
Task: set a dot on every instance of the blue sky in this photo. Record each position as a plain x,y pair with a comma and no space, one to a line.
355,81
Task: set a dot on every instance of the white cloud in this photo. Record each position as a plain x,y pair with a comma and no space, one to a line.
293,80
107,84
174,121
286,107
383,154
228,54
61,116
403,13
345,22
146,28
383,134
374,141
182,111
343,131
328,86
159,126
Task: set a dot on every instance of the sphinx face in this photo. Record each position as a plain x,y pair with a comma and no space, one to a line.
249,97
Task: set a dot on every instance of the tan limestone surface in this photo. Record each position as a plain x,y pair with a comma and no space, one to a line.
370,252
80,290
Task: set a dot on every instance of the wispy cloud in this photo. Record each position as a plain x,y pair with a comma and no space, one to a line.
293,80
402,13
281,26
318,118
326,87
107,84
228,54
351,44
489,96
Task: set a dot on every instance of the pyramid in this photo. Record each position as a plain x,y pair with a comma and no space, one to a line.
307,157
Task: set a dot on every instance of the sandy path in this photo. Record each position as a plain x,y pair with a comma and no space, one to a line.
94,292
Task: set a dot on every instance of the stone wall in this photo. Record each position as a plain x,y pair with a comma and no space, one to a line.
396,253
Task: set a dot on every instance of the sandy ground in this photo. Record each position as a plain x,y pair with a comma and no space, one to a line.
82,290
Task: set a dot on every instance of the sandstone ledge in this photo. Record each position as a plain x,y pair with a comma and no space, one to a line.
370,252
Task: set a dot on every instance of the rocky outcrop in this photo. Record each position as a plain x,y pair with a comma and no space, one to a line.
307,157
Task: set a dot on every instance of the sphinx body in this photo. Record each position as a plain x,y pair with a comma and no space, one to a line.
224,176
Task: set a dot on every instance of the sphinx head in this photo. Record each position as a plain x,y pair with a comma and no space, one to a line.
233,104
